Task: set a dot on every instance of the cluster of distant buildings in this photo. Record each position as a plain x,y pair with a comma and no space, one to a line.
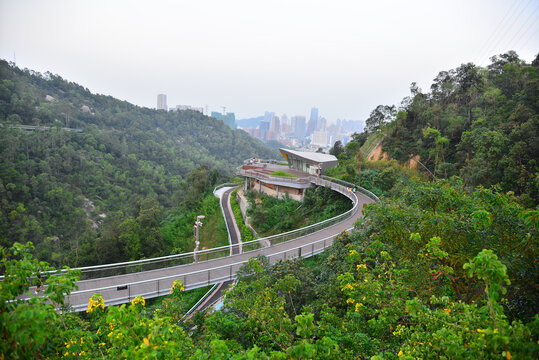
162,105
295,132
228,118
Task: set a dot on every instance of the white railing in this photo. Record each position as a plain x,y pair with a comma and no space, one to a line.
127,267
267,177
161,286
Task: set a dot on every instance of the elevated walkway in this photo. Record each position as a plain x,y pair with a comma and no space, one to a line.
120,283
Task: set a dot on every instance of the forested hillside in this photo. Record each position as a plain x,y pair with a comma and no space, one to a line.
477,123
438,269
125,182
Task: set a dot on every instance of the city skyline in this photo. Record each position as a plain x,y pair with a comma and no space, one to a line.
347,57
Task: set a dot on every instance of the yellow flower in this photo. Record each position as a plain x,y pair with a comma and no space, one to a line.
146,341
447,311
508,355
178,284
95,302
400,353
138,300
358,305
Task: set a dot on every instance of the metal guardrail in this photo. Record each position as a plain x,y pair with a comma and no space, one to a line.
228,270
117,292
128,267
200,301
223,210
223,185
258,175
350,185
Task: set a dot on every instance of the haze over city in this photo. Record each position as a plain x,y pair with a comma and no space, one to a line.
343,57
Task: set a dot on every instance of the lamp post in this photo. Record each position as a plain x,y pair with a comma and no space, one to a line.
197,225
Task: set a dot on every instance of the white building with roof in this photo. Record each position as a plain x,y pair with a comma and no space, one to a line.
308,162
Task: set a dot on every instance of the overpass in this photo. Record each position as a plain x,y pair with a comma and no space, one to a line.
121,282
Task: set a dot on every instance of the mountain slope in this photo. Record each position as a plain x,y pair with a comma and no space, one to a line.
64,189
481,124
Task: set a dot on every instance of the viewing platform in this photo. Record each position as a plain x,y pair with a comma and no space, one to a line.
277,179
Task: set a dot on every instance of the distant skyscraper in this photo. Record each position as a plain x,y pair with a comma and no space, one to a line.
229,118
268,115
298,126
284,119
263,130
162,102
311,127
314,114
275,125
321,124
320,138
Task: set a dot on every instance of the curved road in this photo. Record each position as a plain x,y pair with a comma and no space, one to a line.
123,288
234,238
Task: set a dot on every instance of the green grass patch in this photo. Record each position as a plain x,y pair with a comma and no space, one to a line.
371,143
213,231
282,173
190,297
246,234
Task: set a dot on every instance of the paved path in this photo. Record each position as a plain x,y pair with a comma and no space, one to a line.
123,288
234,239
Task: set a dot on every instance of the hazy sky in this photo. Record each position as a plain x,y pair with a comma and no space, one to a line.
345,57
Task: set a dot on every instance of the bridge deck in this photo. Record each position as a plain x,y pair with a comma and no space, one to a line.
123,288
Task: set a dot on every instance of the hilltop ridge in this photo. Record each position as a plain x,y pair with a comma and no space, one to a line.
123,178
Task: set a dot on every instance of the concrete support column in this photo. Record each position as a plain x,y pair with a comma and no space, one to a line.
302,194
259,186
277,195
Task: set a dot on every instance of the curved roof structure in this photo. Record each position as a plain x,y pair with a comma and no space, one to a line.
309,156
304,160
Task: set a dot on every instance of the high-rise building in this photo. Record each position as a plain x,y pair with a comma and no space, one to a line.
263,130
285,125
320,138
284,120
314,114
311,127
275,125
268,115
298,126
162,102
321,124
229,118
